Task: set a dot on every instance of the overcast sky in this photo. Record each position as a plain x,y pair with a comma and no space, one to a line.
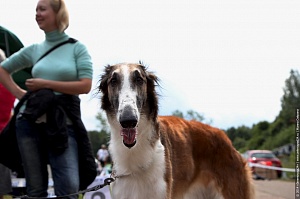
225,59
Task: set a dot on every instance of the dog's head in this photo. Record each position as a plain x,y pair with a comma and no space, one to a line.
129,96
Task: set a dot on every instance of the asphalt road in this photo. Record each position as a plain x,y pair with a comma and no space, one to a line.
274,189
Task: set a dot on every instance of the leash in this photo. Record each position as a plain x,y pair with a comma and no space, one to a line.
107,181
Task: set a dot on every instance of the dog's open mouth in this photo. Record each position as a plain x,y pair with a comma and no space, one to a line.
129,136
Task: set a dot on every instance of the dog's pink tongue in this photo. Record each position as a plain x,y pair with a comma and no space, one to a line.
129,135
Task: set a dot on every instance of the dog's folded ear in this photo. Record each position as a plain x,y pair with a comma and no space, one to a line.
153,78
152,95
103,87
103,80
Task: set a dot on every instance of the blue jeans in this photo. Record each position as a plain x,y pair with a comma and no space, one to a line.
32,142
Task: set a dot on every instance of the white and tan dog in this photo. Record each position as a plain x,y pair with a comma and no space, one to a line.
165,157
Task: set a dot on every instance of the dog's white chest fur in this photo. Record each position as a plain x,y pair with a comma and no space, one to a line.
143,168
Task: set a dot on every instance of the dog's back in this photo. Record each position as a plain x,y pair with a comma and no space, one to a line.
203,162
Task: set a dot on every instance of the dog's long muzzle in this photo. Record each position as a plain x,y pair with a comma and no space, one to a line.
128,120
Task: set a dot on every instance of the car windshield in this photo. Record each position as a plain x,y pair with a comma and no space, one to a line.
263,155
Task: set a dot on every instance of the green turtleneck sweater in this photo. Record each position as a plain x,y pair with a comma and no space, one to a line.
69,62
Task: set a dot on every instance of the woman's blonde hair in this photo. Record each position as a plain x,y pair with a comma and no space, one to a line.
62,17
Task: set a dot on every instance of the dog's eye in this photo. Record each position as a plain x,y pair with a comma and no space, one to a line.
139,81
137,78
113,82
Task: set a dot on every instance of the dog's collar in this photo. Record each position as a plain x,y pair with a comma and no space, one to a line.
115,175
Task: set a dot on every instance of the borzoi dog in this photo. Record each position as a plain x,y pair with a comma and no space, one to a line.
165,157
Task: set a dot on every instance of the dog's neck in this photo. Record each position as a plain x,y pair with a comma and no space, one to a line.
139,158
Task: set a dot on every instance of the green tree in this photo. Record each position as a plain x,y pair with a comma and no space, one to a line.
239,136
103,121
178,113
291,98
259,134
244,132
100,137
191,115
231,133
239,143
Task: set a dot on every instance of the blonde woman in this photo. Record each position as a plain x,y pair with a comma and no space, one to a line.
48,124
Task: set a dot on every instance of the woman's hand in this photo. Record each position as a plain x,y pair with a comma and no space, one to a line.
34,84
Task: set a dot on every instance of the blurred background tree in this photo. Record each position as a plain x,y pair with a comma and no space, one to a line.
191,115
291,98
100,137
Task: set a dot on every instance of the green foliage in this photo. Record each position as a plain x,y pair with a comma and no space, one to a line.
191,115
291,97
292,159
97,139
285,136
103,121
239,136
255,142
239,143
178,113
276,126
289,162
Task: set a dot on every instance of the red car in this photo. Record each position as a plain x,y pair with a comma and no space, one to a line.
263,156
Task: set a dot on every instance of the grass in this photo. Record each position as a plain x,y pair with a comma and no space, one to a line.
289,162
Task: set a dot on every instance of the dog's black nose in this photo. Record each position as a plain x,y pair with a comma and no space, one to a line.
128,119
130,123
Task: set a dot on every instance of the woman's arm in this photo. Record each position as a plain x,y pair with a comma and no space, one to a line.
83,86
10,85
